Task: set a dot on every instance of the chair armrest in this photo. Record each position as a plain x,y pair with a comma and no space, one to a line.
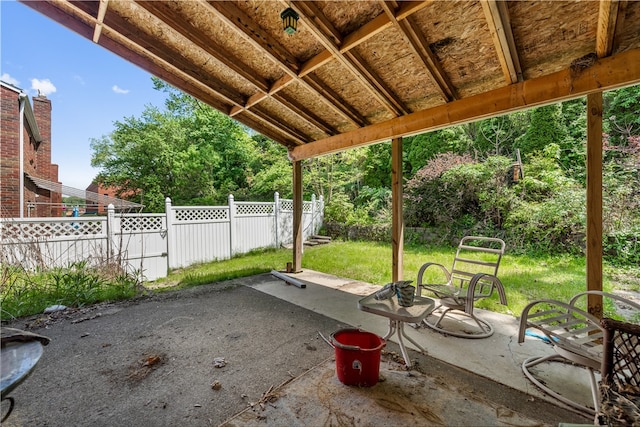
477,279
424,267
559,310
421,272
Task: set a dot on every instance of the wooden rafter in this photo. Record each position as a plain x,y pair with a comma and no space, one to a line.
262,41
607,19
605,74
102,10
161,11
164,13
330,38
421,49
497,16
122,43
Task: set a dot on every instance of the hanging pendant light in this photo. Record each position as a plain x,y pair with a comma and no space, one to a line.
289,20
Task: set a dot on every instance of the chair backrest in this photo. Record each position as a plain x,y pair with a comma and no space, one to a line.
476,255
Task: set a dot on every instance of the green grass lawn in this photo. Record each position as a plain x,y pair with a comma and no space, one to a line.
525,278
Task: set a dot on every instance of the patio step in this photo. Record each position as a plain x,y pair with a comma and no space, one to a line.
316,240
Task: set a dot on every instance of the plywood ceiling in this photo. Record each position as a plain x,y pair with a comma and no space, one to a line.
361,72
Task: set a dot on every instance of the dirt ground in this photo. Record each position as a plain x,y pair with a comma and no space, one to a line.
198,357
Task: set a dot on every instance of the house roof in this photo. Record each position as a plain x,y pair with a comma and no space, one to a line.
364,71
32,124
89,196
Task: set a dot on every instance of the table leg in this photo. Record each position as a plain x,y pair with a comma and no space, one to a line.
392,329
399,329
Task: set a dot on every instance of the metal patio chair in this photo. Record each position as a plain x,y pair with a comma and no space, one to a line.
577,338
473,276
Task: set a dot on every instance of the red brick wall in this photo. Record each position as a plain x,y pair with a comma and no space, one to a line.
37,159
9,153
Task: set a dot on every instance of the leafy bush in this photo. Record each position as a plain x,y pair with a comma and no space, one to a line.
454,191
424,192
623,248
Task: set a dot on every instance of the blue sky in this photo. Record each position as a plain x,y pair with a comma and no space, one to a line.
89,87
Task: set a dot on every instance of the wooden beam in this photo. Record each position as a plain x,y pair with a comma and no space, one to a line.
364,33
594,201
497,16
297,217
605,74
165,13
329,37
607,17
102,10
421,49
397,222
261,40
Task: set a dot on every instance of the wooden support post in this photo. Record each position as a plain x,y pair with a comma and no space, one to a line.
297,216
594,202
397,227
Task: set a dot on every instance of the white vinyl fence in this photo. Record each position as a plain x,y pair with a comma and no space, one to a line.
151,244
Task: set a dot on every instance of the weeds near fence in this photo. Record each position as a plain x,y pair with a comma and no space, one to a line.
24,292
34,275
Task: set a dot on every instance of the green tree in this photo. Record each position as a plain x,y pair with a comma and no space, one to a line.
420,149
273,170
188,152
622,114
546,127
496,136
573,157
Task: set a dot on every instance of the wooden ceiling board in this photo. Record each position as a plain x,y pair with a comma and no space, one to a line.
460,39
347,16
356,71
403,71
627,36
319,108
348,88
547,40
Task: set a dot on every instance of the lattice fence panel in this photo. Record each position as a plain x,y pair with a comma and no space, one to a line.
306,206
141,223
47,230
286,205
215,214
254,208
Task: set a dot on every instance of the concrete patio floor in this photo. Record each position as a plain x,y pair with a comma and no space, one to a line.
96,370
498,357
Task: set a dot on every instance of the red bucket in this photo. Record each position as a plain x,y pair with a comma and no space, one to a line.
357,356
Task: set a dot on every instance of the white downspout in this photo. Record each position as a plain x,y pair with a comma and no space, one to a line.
23,100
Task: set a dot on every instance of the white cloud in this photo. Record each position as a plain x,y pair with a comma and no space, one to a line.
79,79
44,87
7,78
117,89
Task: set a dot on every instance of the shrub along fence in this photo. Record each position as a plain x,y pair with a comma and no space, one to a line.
150,244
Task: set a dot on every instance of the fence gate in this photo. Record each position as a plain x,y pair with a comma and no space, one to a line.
141,241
